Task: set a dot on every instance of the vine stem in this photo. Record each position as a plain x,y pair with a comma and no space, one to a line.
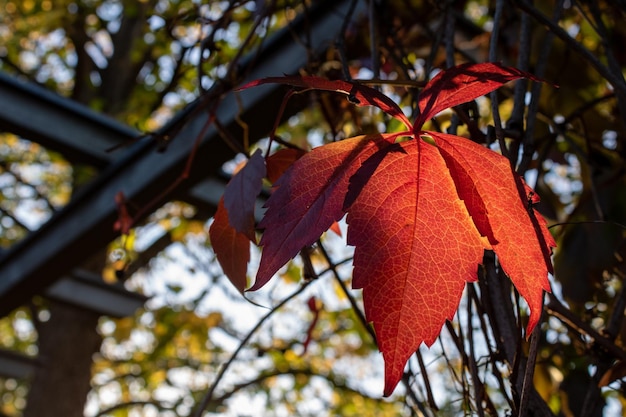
528,139
209,395
530,369
615,80
609,222
493,57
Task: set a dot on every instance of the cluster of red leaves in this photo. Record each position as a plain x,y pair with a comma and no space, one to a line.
420,212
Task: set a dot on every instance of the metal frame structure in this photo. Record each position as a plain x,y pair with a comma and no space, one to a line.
143,169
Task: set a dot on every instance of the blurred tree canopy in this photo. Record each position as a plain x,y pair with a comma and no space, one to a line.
197,347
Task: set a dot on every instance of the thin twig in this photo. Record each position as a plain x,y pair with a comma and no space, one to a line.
515,122
427,385
493,355
609,222
14,219
18,177
449,34
613,64
530,369
479,389
144,210
610,333
458,343
308,372
617,82
340,42
128,404
493,57
374,50
344,289
557,309
533,107
209,395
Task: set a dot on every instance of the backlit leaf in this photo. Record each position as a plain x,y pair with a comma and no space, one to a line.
416,246
308,199
231,247
491,192
241,193
420,213
463,83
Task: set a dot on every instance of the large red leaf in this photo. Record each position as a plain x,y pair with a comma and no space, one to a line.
231,248
496,199
463,83
308,199
358,94
241,193
416,246
420,215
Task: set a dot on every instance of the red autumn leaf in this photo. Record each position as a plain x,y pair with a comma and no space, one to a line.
407,225
358,94
241,193
308,199
489,188
278,162
231,247
420,214
461,84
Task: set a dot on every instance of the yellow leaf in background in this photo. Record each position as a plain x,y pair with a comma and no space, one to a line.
128,241
109,274
178,234
123,328
214,319
293,275
157,377
165,223
180,231
339,292
196,227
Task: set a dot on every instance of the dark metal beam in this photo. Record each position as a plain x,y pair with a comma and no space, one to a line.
60,124
143,171
80,134
16,365
87,290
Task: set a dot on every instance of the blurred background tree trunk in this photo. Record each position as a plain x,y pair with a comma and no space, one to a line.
67,343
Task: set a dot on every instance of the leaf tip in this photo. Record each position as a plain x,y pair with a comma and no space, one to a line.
535,315
393,375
